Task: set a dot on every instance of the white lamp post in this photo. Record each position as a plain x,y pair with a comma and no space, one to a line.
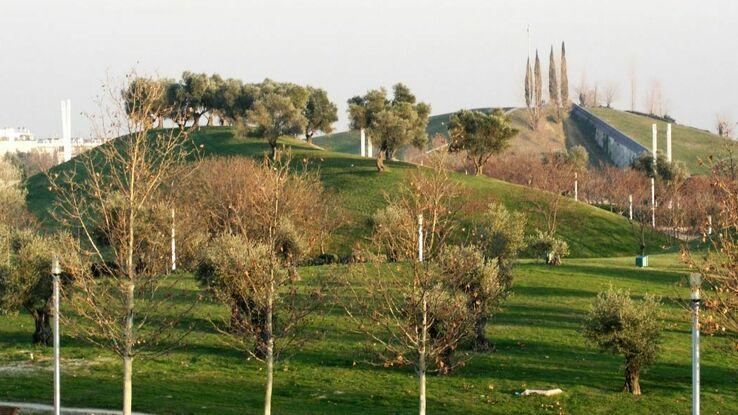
55,271
174,245
630,207
695,280
576,187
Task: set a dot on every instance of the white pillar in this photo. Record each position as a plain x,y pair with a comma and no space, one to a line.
66,112
362,134
174,246
630,207
709,224
654,142
695,297
369,148
420,237
576,187
653,202
668,142
55,271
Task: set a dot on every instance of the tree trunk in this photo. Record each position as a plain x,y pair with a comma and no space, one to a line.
273,151
380,161
477,168
42,334
309,138
270,353
421,358
480,339
160,122
632,381
127,385
210,119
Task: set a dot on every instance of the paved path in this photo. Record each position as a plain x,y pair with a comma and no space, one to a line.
42,408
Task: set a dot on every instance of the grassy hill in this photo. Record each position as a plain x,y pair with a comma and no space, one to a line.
550,136
590,232
689,144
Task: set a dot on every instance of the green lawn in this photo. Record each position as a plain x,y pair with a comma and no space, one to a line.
590,231
689,144
538,346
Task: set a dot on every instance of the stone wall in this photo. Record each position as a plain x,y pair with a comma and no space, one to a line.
620,148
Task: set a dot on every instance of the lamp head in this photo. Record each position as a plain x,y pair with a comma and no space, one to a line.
695,281
55,267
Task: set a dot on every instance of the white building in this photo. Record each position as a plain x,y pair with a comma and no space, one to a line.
21,140
15,134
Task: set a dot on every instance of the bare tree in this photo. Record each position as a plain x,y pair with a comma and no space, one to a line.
416,314
718,262
115,199
655,100
611,93
633,87
266,219
724,126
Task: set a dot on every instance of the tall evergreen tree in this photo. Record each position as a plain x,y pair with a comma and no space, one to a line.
553,84
564,78
538,89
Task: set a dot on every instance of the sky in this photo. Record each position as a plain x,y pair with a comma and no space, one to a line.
453,54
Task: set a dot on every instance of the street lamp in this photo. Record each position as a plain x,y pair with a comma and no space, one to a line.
695,280
55,272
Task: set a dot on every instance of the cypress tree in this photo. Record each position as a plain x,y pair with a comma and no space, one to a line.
538,88
564,78
553,84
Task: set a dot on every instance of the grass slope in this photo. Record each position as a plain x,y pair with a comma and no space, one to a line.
590,232
536,335
689,144
548,137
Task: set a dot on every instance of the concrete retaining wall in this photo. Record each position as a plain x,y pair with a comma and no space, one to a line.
620,148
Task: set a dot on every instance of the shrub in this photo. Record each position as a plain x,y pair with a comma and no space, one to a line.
622,326
548,247
465,269
501,236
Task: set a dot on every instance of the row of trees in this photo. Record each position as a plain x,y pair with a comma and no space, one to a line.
272,108
558,87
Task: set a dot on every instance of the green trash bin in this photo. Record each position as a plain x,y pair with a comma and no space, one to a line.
642,261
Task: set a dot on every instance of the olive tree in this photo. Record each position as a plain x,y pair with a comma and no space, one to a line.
275,115
480,135
617,324
390,124
319,112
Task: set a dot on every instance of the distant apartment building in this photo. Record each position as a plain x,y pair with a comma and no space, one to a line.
21,140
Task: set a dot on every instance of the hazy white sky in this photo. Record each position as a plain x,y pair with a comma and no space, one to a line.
453,54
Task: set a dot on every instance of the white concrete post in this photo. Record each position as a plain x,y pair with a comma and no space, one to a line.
630,207
654,142
174,245
695,281
653,202
576,187
55,271
420,237
709,224
362,134
369,148
66,112
668,142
